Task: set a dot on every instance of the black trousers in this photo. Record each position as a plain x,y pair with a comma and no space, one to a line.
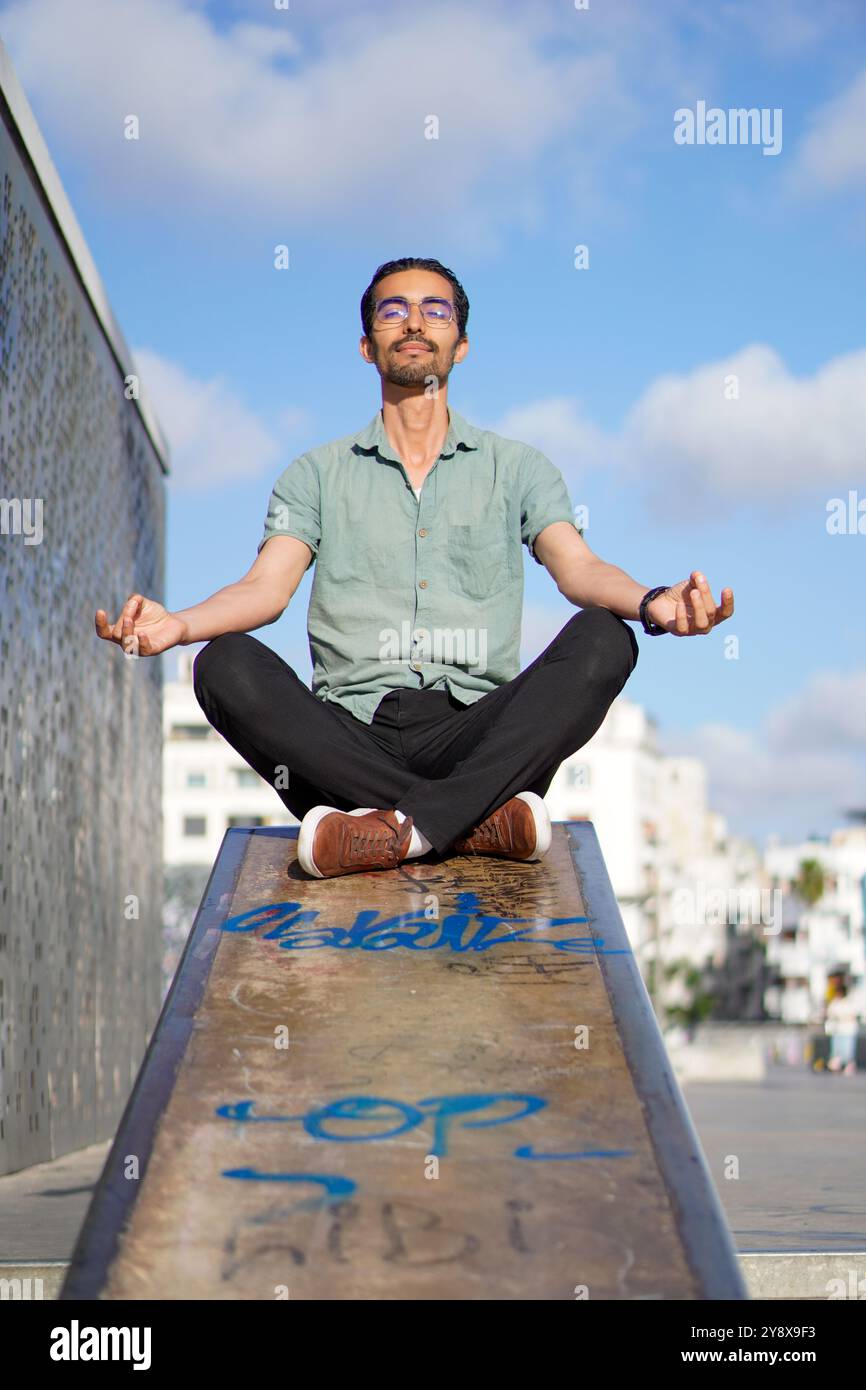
444,764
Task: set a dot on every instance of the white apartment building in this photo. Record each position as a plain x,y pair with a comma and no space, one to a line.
667,854
613,782
824,938
708,878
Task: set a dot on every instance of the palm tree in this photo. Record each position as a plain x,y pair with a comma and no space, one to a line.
809,883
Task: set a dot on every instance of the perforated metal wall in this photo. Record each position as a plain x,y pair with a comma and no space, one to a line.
80,726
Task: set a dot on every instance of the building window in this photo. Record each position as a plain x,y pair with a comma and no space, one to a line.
195,825
245,821
246,777
196,779
577,774
190,730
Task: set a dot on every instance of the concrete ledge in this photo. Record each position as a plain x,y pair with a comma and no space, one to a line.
811,1275
31,1279
719,1053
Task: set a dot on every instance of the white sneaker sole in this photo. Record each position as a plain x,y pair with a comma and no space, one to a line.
541,816
307,834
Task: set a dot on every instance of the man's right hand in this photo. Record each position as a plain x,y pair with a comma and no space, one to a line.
144,628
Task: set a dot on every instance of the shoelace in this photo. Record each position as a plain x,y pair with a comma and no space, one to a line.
488,832
366,842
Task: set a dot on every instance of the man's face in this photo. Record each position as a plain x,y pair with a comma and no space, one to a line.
434,347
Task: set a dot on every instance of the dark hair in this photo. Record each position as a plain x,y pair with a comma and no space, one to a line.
368,299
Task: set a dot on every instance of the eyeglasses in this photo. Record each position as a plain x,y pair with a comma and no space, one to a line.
437,312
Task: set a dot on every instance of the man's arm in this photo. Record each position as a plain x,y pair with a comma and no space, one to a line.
259,598
685,609
145,628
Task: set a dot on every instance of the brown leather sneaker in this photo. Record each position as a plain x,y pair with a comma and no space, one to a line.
520,829
332,842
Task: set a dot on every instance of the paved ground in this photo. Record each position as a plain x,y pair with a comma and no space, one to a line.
800,1140
42,1208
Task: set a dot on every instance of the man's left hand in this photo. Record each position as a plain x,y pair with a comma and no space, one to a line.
688,609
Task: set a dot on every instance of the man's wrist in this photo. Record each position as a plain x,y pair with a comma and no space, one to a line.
650,624
185,640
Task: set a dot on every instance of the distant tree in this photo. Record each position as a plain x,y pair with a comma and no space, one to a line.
809,883
699,1004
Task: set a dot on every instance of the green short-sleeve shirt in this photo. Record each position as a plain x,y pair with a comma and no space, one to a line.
416,592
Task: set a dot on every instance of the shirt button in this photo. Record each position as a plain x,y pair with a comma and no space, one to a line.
423,531
422,583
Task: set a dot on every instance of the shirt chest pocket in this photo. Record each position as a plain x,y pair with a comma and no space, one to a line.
480,559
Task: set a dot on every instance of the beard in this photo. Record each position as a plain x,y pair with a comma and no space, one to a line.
401,370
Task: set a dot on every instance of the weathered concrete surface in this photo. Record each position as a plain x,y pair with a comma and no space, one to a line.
471,1150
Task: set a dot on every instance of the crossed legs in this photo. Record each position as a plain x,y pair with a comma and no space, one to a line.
447,767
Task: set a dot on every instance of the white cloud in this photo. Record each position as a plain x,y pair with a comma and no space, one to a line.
684,443
801,770
213,436
828,715
249,121
832,156
303,119
781,434
559,427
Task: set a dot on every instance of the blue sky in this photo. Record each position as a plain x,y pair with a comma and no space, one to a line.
305,127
